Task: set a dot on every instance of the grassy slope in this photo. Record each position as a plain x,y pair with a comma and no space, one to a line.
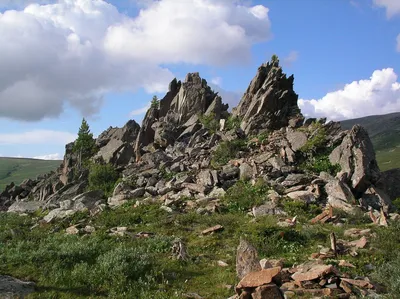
100,266
17,169
384,131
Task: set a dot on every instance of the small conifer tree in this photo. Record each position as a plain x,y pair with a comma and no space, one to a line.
85,144
155,103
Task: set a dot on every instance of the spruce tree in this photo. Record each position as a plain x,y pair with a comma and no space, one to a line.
155,103
85,144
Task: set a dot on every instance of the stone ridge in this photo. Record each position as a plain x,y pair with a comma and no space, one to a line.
171,156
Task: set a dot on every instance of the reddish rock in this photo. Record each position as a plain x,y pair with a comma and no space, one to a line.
269,291
359,283
317,271
256,279
361,243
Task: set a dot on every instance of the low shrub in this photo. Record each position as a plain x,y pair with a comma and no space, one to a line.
226,151
304,211
317,139
320,163
210,122
103,177
233,122
243,196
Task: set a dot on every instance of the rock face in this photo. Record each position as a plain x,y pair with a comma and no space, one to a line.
269,102
117,144
178,112
356,156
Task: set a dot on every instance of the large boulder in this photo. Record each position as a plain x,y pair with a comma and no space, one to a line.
117,144
269,102
356,156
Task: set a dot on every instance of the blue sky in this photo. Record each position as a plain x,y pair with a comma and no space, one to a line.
61,60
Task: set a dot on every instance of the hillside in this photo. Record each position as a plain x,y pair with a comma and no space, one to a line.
198,202
17,169
384,131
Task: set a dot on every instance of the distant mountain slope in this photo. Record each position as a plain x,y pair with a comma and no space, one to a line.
18,169
384,131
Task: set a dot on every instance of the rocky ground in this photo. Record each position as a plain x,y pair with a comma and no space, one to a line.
193,171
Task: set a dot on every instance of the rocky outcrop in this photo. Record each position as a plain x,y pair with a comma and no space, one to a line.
270,102
356,157
116,145
178,113
172,156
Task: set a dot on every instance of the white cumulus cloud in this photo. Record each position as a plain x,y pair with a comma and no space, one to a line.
75,51
194,31
56,156
392,6
380,94
37,137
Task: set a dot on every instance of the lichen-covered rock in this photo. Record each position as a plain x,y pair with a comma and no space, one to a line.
246,259
356,156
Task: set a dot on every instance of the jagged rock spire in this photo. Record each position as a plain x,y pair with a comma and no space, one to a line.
270,101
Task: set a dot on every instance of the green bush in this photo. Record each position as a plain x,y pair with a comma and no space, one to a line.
210,122
226,151
243,196
233,122
103,177
320,163
317,139
301,209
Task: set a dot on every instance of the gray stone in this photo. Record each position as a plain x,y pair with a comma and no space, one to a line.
230,171
14,288
205,178
269,208
295,179
356,156
25,206
305,196
297,139
139,192
246,259
246,171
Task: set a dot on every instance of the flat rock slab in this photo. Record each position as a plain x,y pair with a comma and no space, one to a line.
213,229
259,278
11,287
315,272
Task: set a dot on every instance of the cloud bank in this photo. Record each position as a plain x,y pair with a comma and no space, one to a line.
73,52
37,137
380,94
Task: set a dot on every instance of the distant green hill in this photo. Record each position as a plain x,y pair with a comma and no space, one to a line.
18,169
384,131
